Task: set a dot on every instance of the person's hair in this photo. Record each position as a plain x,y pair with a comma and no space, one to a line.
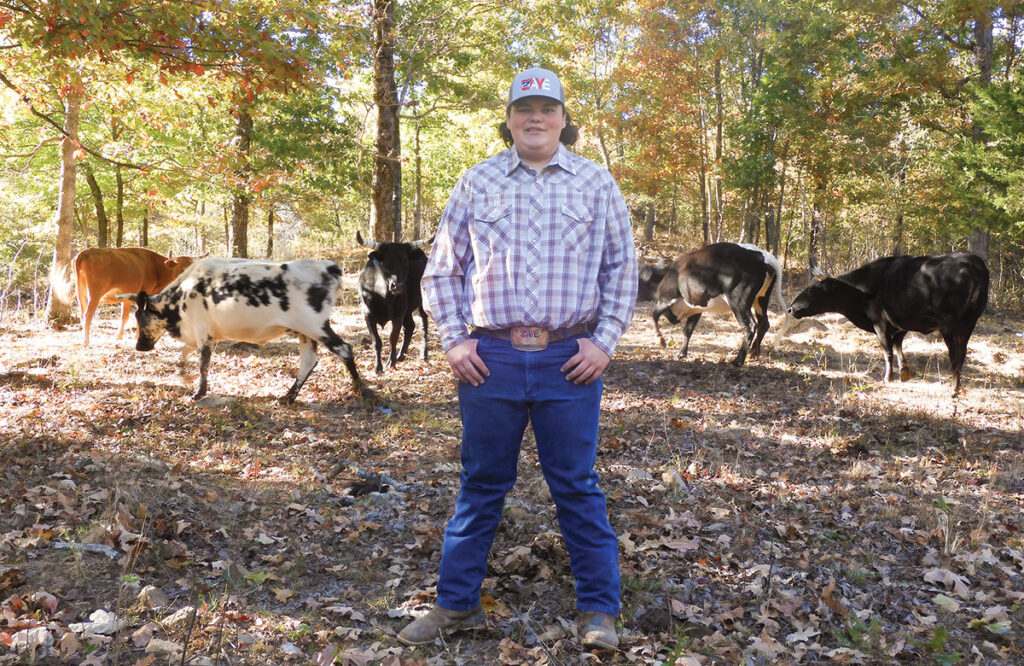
570,133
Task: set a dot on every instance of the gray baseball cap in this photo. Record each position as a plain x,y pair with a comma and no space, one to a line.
536,82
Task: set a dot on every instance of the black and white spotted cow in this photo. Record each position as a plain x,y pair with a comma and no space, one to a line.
250,301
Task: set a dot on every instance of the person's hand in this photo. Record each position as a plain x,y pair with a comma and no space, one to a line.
588,363
466,364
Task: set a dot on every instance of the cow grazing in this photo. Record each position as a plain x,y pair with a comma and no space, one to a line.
250,301
97,274
718,278
389,291
649,277
894,295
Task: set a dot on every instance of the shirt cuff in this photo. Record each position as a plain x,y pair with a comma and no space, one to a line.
452,335
605,340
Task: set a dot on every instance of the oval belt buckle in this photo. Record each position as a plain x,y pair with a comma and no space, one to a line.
529,338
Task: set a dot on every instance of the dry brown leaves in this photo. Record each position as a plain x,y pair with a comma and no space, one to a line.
792,511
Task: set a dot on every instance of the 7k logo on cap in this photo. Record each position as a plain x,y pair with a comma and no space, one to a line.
536,84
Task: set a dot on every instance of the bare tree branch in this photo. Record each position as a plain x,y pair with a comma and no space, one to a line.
59,127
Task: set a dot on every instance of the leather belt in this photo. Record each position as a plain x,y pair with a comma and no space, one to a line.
554,335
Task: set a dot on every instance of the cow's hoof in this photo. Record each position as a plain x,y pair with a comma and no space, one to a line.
906,374
288,399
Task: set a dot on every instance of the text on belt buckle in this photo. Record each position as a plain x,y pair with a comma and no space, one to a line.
529,338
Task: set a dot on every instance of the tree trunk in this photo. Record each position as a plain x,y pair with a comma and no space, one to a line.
386,216
144,232
702,171
58,313
97,198
417,211
649,223
816,241
897,245
980,239
606,156
773,237
240,198
270,232
719,113
119,212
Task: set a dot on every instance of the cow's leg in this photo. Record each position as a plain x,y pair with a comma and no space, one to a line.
749,326
88,312
126,309
657,329
901,359
957,347
423,319
307,361
83,302
762,323
204,366
408,326
371,324
396,328
334,344
691,323
886,341
183,361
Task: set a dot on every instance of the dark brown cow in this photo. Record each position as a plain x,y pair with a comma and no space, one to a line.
98,273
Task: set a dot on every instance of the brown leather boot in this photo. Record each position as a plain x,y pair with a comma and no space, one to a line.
596,630
439,622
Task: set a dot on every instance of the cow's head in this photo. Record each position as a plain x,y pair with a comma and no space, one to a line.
151,322
390,261
177,265
648,278
827,295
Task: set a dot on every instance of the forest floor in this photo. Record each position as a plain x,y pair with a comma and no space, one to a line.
795,510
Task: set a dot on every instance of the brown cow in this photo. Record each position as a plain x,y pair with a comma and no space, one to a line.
100,273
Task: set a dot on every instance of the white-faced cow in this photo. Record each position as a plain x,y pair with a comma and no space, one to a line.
894,295
719,278
389,291
249,301
98,274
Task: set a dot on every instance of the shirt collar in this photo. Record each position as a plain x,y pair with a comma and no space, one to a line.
563,158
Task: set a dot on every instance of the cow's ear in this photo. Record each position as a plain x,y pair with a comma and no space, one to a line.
142,300
375,257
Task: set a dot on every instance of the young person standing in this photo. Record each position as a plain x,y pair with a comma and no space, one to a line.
532,280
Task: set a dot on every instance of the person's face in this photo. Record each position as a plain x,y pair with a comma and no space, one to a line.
535,124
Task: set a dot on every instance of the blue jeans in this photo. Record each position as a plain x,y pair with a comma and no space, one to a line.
529,387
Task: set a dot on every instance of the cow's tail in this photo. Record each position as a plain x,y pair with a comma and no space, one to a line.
64,281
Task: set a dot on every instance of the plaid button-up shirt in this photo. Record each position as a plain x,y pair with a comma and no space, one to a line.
515,248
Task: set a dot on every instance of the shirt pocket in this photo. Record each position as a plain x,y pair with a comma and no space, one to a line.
577,218
492,225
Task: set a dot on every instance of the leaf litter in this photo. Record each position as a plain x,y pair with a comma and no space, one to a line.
796,510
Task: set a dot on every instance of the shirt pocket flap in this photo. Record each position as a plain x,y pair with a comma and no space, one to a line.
576,212
495,213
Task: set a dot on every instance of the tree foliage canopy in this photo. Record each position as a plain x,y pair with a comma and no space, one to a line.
830,131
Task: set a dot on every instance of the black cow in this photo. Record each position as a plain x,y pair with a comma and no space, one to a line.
718,278
894,295
389,291
649,277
